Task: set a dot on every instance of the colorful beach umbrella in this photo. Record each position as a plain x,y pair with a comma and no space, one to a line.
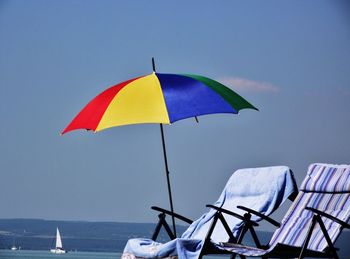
158,98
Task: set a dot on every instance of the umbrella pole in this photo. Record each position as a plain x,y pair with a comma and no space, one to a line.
166,165
168,179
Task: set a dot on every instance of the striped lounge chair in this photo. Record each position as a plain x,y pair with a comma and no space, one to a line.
314,221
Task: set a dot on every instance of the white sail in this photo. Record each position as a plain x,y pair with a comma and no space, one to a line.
58,239
58,249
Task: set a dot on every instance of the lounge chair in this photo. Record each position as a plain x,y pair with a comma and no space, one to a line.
313,222
264,189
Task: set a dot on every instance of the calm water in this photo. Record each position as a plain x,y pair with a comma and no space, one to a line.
26,254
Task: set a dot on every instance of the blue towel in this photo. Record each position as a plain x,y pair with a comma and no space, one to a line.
261,189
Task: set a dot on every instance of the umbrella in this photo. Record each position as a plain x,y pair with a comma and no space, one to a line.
158,98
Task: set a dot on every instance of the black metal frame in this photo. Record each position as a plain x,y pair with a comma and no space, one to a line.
248,225
208,248
331,250
286,251
264,217
163,223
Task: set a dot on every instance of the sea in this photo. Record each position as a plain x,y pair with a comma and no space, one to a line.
31,254
93,240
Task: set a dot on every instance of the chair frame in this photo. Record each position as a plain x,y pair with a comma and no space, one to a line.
163,223
208,248
286,251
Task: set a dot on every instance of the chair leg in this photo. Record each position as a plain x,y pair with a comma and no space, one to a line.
158,227
328,239
317,218
232,238
239,240
207,238
233,256
242,233
308,236
255,236
162,223
168,229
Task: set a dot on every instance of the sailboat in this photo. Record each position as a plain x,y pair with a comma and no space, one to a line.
14,247
58,249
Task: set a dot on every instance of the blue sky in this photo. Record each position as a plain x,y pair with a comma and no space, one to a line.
289,58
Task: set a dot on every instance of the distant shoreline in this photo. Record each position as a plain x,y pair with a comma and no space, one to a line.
39,234
96,237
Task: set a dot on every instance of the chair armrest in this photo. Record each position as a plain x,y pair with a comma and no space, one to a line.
256,213
180,217
231,214
324,214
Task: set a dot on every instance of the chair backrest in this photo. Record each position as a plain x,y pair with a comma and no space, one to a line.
262,189
326,187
